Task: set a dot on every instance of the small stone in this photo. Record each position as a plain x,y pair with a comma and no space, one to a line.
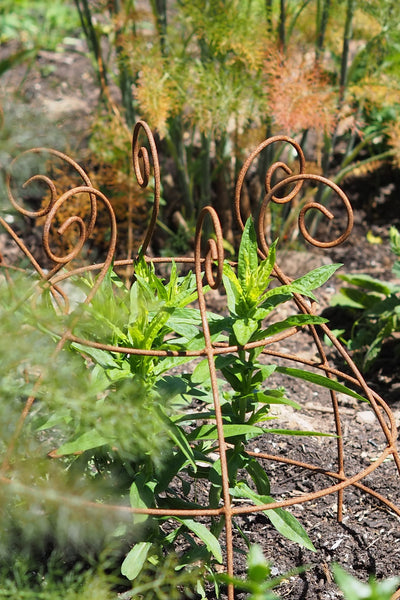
365,417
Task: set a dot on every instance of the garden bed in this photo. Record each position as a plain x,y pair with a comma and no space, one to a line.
368,539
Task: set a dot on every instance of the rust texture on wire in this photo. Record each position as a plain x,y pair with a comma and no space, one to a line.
208,270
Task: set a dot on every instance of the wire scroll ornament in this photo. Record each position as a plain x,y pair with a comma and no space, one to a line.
208,268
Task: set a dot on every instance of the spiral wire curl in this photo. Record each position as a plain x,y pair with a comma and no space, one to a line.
208,267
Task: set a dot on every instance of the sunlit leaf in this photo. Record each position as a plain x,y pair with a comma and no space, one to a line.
135,560
321,380
209,432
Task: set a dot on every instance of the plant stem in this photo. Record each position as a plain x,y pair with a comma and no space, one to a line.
125,78
85,16
268,7
322,25
159,8
348,29
282,23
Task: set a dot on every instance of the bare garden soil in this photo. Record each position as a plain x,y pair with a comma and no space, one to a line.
60,89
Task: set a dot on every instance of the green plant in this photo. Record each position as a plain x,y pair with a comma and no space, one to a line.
155,315
54,542
39,25
259,581
373,306
162,451
217,75
212,77
353,589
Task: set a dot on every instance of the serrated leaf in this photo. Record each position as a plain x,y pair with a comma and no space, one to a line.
135,560
205,535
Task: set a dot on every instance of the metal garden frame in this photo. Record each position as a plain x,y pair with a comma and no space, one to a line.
208,269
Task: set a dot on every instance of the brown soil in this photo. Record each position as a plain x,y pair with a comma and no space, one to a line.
367,541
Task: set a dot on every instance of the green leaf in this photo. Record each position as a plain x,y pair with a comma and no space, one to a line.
396,270
384,309
299,432
394,235
86,441
368,283
234,292
103,358
244,329
314,279
260,279
258,475
141,496
275,397
178,436
209,432
171,386
258,568
353,298
135,560
55,419
247,257
293,321
205,535
353,589
266,370
281,519
321,380
201,372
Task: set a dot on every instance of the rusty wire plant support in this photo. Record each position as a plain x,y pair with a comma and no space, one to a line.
208,269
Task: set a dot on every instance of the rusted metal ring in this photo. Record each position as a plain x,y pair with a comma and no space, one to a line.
142,168
50,184
309,206
270,172
215,248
